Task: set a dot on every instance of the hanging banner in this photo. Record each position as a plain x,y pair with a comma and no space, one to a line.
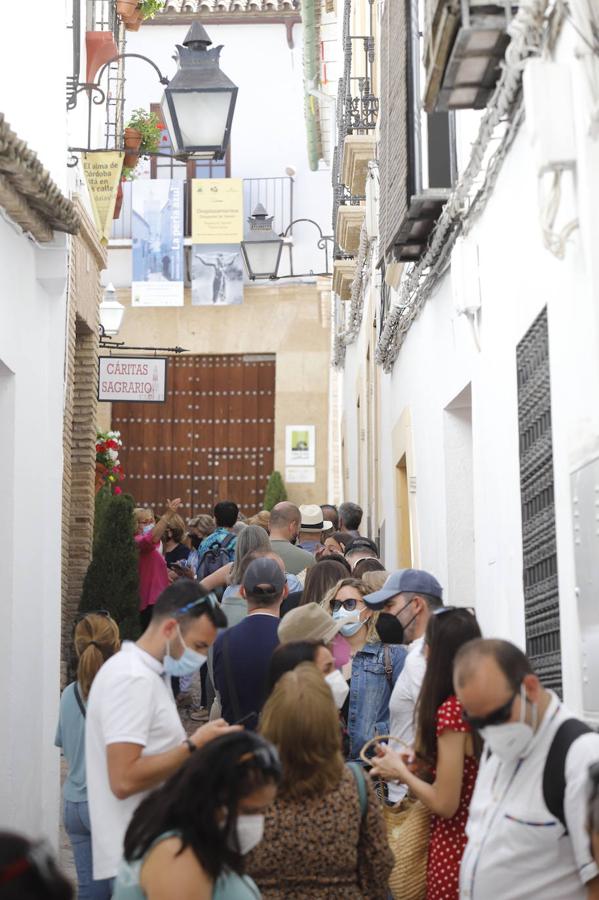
216,275
132,378
216,210
157,232
103,174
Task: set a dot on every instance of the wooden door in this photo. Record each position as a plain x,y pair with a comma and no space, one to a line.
212,439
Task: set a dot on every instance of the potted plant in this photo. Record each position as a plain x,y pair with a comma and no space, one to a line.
149,8
126,9
148,127
133,23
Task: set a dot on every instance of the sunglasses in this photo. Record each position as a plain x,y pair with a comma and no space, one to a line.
209,599
348,605
264,758
498,717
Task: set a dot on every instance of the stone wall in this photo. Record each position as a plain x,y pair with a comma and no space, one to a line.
87,259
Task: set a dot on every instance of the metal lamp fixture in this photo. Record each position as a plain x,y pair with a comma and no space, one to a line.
199,102
261,249
111,312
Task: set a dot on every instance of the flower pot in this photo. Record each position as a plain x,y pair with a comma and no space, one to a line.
119,201
132,144
133,23
126,8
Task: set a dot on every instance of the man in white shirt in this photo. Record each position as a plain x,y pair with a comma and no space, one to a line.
134,737
411,595
527,835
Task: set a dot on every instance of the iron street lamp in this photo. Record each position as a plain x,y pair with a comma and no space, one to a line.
199,102
111,312
261,249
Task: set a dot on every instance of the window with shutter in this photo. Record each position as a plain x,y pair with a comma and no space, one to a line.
416,150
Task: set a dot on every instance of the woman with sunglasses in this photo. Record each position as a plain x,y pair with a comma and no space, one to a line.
447,752
372,670
188,838
96,638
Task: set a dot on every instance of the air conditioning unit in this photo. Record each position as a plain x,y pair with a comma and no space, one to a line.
465,43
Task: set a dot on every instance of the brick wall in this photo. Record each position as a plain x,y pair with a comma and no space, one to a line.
393,143
87,259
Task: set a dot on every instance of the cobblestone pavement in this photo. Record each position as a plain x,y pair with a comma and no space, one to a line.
65,853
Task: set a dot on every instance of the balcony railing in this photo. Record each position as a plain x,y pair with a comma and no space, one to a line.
275,194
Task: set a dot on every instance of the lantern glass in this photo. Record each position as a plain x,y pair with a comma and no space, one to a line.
111,312
262,257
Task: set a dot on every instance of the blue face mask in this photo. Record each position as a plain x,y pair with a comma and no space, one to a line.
351,624
187,664
147,528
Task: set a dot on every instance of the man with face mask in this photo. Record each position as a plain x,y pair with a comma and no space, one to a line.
410,595
134,736
527,835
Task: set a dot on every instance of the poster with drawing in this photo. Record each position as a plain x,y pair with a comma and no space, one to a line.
216,275
300,445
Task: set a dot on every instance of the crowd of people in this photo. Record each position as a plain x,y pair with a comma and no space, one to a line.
355,736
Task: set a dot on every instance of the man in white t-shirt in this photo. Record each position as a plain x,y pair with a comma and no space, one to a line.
527,828
411,595
134,737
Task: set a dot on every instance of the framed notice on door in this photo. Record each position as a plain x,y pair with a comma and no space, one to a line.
132,378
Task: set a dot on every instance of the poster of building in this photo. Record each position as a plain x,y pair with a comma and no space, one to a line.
216,275
157,231
217,210
300,445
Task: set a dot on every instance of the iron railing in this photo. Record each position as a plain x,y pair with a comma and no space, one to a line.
275,194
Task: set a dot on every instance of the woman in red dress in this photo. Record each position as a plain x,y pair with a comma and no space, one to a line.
446,751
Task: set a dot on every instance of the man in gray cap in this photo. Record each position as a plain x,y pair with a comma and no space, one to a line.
412,596
242,653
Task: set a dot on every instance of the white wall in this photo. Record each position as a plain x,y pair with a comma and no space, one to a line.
32,317
439,358
268,131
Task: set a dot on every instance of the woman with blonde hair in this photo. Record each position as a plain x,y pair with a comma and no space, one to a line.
373,669
96,638
324,836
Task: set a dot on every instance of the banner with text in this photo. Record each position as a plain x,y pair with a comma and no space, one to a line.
132,378
217,210
103,173
157,232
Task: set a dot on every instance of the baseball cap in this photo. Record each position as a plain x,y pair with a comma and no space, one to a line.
308,623
415,581
264,577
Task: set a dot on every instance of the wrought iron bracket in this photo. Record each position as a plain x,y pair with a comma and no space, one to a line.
322,243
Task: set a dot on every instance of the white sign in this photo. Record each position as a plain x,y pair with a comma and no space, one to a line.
132,378
300,445
300,474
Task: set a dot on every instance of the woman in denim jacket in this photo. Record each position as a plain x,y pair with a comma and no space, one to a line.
373,669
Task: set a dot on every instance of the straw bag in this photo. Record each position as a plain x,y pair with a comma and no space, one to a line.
408,832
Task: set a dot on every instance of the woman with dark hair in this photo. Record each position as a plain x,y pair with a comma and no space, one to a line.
337,542
287,656
446,751
369,564
28,870
320,579
194,831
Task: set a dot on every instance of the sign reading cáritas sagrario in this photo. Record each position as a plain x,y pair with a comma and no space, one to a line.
132,378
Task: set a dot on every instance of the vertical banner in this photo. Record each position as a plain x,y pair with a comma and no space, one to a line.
217,231
157,232
103,174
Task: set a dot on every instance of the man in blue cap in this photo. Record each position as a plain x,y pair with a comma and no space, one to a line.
412,596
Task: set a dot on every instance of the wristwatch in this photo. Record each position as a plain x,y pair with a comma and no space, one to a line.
190,744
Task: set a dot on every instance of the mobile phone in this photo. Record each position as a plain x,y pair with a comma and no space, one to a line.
242,721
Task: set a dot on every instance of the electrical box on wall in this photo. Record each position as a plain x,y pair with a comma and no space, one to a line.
585,513
549,114
465,278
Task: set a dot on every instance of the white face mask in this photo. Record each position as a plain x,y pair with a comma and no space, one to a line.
339,687
511,741
250,830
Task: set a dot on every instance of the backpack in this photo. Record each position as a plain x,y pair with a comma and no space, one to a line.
554,774
215,557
